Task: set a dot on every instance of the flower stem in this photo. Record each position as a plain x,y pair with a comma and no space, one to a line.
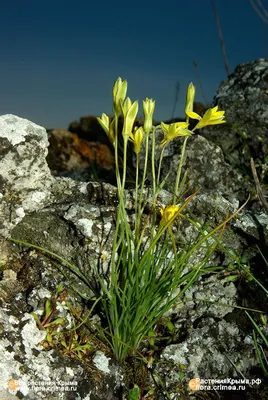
178,177
160,164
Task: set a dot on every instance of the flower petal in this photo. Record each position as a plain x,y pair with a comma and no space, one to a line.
193,115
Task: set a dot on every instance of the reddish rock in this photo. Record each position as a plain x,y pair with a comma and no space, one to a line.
88,128
68,152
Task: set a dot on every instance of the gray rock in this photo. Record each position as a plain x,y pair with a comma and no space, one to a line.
205,165
244,98
43,373
210,351
24,174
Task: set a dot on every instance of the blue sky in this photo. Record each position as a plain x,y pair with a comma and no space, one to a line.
59,59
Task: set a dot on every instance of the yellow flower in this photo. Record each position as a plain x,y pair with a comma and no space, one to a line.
168,212
148,110
111,133
129,111
211,117
137,138
173,130
119,94
104,122
190,98
108,127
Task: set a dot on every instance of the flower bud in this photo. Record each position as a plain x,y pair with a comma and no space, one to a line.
137,138
104,122
148,110
119,94
129,112
190,98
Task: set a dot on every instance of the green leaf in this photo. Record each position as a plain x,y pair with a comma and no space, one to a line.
170,326
258,352
60,288
63,343
134,394
58,321
82,347
48,307
49,338
37,320
258,329
263,319
232,278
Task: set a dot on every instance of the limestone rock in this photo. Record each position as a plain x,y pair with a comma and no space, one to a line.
24,173
244,98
